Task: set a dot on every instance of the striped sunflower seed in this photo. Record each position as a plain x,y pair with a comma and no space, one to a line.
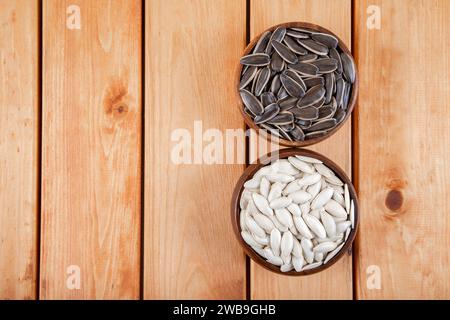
285,52
270,112
256,59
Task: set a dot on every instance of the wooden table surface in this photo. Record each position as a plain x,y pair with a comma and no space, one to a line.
92,94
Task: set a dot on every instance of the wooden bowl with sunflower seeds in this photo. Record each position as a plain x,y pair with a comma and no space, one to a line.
297,82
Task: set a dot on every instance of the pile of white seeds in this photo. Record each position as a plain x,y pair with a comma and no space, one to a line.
296,213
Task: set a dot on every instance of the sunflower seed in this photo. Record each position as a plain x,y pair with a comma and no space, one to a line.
314,46
298,134
296,34
334,54
312,96
296,77
325,65
307,113
311,82
294,46
247,76
298,57
252,103
329,86
348,67
267,98
261,82
305,69
326,39
270,112
282,118
284,52
323,125
255,59
261,45
308,57
292,87
277,63
277,35
287,103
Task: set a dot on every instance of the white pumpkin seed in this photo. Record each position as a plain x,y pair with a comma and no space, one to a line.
322,198
287,243
308,159
328,223
275,191
309,179
352,214
315,213
343,226
305,207
284,166
250,240
295,210
262,204
312,265
307,246
253,227
323,170
333,253
325,247
301,165
246,196
277,261
284,217
286,267
260,251
297,248
318,256
281,202
279,177
291,187
298,262
275,241
314,189
264,222
261,240
264,187
299,196
302,227
278,224
347,233
339,198
335,209
314,224
252,183
346,198
334,180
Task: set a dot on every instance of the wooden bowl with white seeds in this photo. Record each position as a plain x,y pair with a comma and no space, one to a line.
297,214
296,83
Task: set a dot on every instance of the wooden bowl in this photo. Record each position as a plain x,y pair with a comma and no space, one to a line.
249,121
248,174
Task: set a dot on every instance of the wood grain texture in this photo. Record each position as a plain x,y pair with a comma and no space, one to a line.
191,51
336,282
18,148
91,150
404,167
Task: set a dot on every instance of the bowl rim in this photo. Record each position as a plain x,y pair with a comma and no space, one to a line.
248,120
248,174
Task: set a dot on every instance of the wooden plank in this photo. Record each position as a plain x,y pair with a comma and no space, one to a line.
91,150
18,148
336,282
404,168
191,51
